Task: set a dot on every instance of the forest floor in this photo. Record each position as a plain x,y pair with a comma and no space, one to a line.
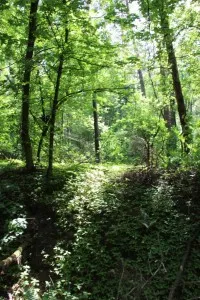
100,232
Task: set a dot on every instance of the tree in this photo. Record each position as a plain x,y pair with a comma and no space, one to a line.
55,104
96,128
176,80
115,54
158,13
25,135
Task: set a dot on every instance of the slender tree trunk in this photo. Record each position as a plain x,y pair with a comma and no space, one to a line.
54,109
152,85
25,136
139,71
168,111
45,119
53,116
176,80
169,117
142,85
96,129
148,154
43,135
127,4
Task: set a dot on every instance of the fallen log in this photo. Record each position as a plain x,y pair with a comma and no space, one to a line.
15,257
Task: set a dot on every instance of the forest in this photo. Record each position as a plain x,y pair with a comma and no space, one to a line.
100,149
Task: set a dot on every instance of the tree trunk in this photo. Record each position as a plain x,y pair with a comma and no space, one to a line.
96,129
168,111
25,136
45,119
176,80
53,116
152,85
169,117
142,85
54,109
43,135
139,71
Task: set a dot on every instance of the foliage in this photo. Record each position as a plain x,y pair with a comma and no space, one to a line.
101,232
96,60
137,136
128,237
106,231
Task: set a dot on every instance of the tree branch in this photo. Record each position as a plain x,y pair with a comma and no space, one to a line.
13,258
182,267
97,90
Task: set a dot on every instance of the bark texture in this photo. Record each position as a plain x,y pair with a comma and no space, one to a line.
54,108
25,135
176,79
142,85
96,130
43,135
13,258
168,111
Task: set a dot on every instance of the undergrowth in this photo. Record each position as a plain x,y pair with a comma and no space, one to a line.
101,233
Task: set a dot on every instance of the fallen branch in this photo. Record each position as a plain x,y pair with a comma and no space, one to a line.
182,267
13,258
